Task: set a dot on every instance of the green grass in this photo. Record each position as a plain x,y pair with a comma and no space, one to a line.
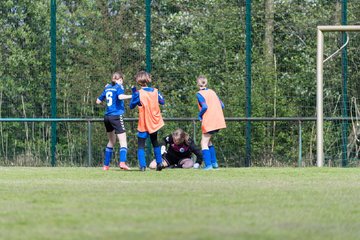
252,203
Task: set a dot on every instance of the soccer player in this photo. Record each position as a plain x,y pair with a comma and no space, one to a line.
150,120
177,150
113,119
212,120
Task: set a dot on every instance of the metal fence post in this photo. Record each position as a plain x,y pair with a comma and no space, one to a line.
89,145
148,61
53,81
194,131
248,83
300,145
344,61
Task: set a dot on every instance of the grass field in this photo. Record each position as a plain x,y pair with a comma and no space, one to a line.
251,203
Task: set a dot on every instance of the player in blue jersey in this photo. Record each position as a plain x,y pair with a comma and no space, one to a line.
113,119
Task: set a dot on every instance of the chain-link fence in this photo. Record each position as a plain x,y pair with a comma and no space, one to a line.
94,38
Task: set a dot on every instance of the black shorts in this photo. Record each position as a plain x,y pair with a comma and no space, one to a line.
114,123
172,161
213,131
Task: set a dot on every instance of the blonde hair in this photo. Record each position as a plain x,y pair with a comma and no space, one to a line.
181,135
201,81
143,78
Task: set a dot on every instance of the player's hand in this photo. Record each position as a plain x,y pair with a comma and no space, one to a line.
163,150
196,165
133,89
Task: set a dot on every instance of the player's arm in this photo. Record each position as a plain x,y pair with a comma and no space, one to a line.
222,104
135,98
166,140
100,98
165,144
203,105
196,150
121,93
124,96
161,98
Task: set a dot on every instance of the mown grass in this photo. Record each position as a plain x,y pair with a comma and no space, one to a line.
253,203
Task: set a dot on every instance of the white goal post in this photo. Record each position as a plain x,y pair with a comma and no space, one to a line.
319,85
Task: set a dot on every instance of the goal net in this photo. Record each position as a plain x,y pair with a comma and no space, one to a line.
338,92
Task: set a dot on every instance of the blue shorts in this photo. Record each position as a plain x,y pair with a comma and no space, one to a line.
143,134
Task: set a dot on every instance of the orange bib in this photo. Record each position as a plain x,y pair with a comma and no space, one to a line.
213,118
150,119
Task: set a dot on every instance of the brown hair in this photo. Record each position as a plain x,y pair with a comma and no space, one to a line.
181,135
119,74
143,78
201,81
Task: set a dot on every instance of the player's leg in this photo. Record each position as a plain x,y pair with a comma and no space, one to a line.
121,134
123,151
157,151
109,149
205,139
152,165
186,163
141,150
110,145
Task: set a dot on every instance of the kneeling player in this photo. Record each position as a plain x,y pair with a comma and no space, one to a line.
177,151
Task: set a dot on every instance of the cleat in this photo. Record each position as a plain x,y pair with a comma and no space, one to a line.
210,167
123,166
142,169
105,168
215,165
159,167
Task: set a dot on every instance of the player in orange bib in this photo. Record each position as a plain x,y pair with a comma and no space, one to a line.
212,120
150,120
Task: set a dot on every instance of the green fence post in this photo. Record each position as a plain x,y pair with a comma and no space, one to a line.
344,109
194,131
89,145
148,35
53,81
148,60
300,145
248,83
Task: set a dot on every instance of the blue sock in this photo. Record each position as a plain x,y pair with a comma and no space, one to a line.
108,154
213,154
206,157
123,153
141,157
157,152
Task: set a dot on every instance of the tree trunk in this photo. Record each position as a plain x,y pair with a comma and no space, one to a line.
337,15
269,62
269,32
26,124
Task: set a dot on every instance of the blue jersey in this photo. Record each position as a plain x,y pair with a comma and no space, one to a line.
114,106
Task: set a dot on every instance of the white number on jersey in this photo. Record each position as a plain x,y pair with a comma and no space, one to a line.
109,98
